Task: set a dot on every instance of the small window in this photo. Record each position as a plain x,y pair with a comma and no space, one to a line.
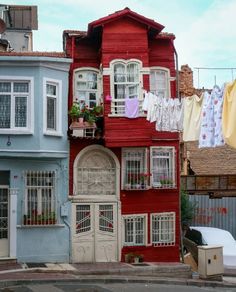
134,230
106,223
14,105
163,167
52,107
86,87
40,202
159,82
83,218
135,175
163,229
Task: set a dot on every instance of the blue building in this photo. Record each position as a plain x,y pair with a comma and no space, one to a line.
34,152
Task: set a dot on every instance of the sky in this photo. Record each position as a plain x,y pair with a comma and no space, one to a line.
205,30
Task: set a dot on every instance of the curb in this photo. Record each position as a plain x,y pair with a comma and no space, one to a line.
118,279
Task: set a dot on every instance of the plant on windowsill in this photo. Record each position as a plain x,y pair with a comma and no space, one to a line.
47,218
133,258
144,180
74,111
166,182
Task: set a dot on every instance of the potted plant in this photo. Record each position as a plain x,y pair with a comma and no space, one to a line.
74,111
144,180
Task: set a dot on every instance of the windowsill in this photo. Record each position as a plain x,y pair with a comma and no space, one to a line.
51,133
123,116
15,132
41,226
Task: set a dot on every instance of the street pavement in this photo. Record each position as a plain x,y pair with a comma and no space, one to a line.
108,277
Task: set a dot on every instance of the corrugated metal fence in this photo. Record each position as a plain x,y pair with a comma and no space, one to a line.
220,213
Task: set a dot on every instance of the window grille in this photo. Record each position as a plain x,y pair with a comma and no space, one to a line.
135,174
86,87
163,229
4,195
126,85
83,218
96,181
14,98
163,167
106,218
40,201
134,229
159,83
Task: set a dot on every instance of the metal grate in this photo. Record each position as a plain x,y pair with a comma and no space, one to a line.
135,174
96,181
163,229
40,202
106,218
4,195
83,218
134,230
162,162
36,265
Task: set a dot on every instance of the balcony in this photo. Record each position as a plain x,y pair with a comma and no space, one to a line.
213,185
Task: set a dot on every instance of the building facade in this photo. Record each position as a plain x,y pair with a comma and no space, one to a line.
34,157
124,175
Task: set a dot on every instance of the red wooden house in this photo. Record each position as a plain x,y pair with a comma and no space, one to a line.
124,175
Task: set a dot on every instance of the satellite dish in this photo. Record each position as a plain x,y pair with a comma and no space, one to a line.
2,25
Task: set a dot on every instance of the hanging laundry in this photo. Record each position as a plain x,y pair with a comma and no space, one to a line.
218,98
229,114
131,107
177,115
192,117
145,101
206,137
152,107
163,116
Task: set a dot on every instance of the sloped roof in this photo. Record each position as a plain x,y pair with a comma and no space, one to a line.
129,13
35,54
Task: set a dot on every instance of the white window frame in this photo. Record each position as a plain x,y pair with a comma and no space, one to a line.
112,84
98,91
171,218
53,202
58,130
29,129
171,171
145,230
143,151
167,74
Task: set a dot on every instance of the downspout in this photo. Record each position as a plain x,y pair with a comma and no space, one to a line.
178,96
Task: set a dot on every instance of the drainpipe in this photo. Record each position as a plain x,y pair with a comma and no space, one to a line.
177,69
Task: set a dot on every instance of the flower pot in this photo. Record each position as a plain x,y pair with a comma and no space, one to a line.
81,120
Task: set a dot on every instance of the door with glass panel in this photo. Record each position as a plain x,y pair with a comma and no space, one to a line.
95,233
4,210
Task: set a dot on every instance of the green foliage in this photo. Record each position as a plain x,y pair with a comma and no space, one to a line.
187,209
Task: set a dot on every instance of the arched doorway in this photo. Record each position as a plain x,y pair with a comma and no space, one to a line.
96,212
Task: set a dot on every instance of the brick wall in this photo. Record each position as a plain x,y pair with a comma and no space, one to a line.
219,160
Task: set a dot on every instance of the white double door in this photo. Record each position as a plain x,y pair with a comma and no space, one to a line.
95,234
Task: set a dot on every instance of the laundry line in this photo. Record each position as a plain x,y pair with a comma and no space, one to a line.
214,68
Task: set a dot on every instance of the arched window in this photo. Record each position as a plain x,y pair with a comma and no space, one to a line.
87,87
125,83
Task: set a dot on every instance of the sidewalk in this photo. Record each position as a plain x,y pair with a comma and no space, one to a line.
163,273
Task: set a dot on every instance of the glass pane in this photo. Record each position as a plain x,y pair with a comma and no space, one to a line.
20,111
51,89
5,111
51,113
3,213
21,87
83,218
5,87
106,218
81,85
132,73
133,91
119,73
91,76
129,230
120,91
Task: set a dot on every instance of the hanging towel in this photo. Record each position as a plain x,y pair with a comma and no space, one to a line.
229,114
131,108
218,94
177,115
192,117
152,107
206,137
145,102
